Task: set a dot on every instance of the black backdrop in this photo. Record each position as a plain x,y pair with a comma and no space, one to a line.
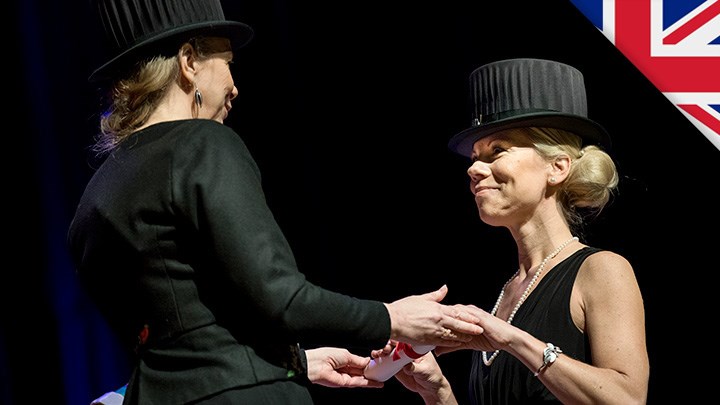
347,107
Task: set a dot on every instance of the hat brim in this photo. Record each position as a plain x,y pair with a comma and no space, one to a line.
167,41
590,131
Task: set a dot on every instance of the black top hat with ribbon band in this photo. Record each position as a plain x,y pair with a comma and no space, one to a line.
139,29
527,92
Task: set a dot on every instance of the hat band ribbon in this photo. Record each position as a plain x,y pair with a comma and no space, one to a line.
487,119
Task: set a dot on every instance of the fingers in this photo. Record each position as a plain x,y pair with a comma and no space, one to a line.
462,327
461,312
387,349
458,326
461,320
448,334
453,338
370,383
440,350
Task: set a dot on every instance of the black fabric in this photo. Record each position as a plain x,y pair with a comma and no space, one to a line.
546,315
174,241
278,392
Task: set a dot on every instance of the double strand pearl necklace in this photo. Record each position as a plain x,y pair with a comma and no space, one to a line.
524,294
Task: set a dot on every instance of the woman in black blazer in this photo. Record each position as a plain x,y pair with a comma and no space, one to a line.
204,286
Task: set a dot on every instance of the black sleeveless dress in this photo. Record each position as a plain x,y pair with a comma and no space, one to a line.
545,314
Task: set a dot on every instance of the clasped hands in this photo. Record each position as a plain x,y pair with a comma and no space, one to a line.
417,319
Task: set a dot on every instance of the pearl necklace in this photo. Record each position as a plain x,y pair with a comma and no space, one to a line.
524,294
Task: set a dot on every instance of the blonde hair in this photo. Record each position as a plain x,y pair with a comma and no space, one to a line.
136,96
593,176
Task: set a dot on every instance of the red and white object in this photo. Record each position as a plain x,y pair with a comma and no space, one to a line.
384,367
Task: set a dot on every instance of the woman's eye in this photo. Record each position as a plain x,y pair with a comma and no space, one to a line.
489,155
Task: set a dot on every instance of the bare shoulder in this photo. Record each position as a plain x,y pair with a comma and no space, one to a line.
606,292
606,271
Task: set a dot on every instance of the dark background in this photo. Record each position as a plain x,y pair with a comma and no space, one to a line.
347,107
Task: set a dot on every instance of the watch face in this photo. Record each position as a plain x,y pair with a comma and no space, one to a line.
550,353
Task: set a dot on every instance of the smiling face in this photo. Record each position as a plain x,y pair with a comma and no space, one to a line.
214,79
508,178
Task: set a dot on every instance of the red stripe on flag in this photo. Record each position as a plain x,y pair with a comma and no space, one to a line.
682,75
668,73
693,24
702,116
632,27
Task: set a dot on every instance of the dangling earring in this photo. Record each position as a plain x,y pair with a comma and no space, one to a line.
198,97
552,180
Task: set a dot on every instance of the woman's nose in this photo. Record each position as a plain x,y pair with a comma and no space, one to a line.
478,170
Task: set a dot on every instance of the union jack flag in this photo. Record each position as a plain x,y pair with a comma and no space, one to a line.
675,44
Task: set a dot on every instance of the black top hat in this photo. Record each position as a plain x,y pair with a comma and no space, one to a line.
516,93
142,28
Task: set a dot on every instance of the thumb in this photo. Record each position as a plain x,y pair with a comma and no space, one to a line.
354,361
439,294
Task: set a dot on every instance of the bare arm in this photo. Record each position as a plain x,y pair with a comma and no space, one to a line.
607,305
606,297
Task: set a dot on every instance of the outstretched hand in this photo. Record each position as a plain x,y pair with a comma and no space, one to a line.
421,319
337,367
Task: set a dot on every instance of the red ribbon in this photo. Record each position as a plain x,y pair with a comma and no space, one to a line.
404,347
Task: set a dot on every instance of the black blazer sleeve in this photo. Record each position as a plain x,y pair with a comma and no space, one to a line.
217,186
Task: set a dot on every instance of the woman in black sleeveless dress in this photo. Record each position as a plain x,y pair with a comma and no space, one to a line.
568,326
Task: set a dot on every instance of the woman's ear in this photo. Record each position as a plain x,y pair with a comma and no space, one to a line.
559,169
188,64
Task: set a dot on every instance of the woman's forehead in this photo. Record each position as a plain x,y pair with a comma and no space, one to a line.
514,136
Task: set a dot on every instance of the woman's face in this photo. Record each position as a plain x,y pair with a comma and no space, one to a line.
508,178
216,85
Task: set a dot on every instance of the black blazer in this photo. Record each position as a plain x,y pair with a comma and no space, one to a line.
175,243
